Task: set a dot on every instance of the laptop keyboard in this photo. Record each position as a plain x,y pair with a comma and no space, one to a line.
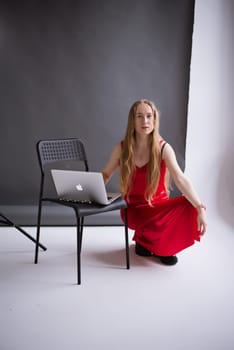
75,201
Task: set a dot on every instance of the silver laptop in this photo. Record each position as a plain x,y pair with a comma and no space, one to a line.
82,186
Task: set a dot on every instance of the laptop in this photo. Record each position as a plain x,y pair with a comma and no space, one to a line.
82,186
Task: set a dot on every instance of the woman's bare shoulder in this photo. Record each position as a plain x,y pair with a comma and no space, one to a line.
116,151
118,146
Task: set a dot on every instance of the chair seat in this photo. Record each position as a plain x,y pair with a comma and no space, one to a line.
86,209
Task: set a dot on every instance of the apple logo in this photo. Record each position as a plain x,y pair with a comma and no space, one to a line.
79,187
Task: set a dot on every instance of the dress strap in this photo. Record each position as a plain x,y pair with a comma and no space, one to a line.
162,148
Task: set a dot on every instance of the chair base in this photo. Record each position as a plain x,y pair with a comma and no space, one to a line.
7,222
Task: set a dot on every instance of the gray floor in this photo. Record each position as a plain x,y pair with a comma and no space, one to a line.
188,306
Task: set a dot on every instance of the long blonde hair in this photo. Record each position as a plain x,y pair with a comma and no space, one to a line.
127,165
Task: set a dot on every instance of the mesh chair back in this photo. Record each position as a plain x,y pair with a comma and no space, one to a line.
61,150
59,154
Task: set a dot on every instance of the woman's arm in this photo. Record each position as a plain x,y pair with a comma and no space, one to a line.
184,185
112,163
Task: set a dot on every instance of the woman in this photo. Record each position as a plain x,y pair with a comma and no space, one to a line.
163,226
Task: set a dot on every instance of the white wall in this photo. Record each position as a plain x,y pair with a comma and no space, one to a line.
209,149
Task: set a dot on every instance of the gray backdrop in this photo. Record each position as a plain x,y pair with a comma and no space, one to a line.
73,69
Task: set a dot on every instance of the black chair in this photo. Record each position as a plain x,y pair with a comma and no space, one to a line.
7,222
70,154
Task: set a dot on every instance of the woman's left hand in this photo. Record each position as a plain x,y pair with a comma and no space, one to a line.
201,221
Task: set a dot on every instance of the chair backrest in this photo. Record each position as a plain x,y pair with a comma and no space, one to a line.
59,154
61,150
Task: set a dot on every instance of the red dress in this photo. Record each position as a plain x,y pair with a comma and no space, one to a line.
165,228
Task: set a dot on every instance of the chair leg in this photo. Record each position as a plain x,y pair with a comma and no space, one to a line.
38,232
81,231
78,248
126,238
10,223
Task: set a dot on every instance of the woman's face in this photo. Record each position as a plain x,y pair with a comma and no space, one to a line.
144,119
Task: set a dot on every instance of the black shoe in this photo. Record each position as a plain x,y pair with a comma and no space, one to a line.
139,250
168,260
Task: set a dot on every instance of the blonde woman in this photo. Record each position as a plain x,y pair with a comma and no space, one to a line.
163,226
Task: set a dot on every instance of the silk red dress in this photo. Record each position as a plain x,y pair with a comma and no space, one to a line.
169,225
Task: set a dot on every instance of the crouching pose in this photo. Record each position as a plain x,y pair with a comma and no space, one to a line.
163,226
